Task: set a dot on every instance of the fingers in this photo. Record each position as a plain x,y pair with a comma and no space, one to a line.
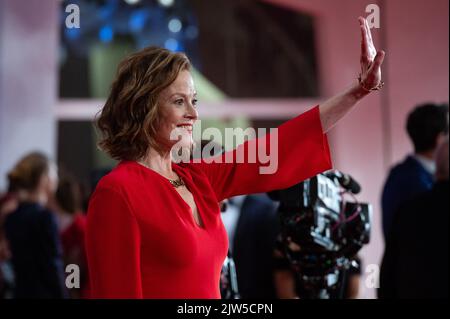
364,43
369,33
379,58
371,46
362,27
361,20
368,50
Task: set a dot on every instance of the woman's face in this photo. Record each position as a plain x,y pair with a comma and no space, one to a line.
50,179
48,184
178,108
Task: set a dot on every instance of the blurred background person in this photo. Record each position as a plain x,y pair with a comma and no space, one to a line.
415,263
8,203
72,226
427,126
252,226
31,230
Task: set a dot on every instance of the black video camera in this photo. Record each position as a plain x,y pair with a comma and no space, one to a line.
321,232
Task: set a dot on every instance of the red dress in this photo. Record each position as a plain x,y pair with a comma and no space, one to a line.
142,240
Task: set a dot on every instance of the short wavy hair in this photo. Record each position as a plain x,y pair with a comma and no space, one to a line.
425,123
130,118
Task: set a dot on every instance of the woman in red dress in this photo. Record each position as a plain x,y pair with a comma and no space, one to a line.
153,227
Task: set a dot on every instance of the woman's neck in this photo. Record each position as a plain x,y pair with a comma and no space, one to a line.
159,162
33,197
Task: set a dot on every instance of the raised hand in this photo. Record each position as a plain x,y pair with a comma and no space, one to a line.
371,59
335,108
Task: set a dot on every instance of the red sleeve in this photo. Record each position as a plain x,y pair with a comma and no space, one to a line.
112,247
303,152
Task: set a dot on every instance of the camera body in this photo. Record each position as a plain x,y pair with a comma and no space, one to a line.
321,232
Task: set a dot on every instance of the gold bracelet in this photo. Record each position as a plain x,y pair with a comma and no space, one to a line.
377,88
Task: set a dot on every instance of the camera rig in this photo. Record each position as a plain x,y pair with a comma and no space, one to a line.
321,232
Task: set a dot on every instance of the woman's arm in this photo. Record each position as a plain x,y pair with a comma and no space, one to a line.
295,151
300,147
338,106
112,246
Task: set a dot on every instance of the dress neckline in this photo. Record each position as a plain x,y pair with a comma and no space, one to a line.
179,171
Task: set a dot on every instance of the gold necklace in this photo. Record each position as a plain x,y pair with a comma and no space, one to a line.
175,182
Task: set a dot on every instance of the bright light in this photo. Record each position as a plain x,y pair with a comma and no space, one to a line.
171,44
137,21
132,2
166,3
106,34
175,25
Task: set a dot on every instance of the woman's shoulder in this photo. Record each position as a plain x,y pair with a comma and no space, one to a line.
119,177
113,180
128,177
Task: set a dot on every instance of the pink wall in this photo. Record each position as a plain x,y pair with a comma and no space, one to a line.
368,141
418,63
28,80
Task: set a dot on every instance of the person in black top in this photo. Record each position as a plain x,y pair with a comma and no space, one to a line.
427,126
415,262
31,230
253,243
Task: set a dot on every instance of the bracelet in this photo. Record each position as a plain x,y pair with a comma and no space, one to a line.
377,88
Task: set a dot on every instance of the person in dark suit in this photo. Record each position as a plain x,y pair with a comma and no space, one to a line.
427,126
31,230
252,225
415,262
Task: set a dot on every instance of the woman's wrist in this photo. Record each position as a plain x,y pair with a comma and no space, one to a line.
356,92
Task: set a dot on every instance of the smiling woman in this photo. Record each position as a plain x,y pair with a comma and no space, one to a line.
178,109
154,228
133,112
